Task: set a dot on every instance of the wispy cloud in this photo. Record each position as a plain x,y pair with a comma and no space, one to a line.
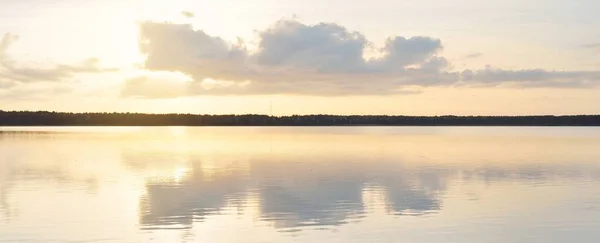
592,45
188,14
7,40
473,55
531,78
17,72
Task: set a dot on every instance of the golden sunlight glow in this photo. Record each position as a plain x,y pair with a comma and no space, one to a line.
178,131
179,173
209,83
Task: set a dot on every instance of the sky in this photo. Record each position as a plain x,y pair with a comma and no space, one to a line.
412,57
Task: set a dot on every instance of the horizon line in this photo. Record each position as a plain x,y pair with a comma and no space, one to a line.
313,114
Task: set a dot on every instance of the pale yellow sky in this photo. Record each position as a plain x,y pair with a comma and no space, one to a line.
543,56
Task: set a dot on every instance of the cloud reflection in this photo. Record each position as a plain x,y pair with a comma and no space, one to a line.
180,202
303,182
295,194
291,193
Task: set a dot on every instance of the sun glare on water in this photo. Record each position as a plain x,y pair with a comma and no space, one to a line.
178,131
179,173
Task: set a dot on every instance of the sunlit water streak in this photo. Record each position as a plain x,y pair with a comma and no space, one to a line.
304,184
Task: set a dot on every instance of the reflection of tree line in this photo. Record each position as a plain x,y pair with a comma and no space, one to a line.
27,118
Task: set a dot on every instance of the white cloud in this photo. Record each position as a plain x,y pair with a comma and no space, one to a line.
293,58
323,59
179,48
322,47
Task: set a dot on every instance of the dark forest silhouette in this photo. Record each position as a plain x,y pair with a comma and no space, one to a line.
45,118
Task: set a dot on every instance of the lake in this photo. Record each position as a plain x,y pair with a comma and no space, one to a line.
300,184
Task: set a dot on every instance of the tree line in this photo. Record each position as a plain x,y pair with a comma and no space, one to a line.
45,118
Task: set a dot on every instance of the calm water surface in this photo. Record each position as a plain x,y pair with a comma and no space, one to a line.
315,184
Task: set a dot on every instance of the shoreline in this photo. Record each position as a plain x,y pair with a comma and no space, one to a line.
46,118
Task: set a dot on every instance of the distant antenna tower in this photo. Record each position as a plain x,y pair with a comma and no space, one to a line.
270,107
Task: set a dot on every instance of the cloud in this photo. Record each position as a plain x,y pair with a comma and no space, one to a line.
293,58
5,84
160,88
188,14
6,41
323,47
327,48
16,72
30,73
401,52
530,77
592,45
33,81
30,91
473,55
595,46
156,86
324,59
179,48
321,59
